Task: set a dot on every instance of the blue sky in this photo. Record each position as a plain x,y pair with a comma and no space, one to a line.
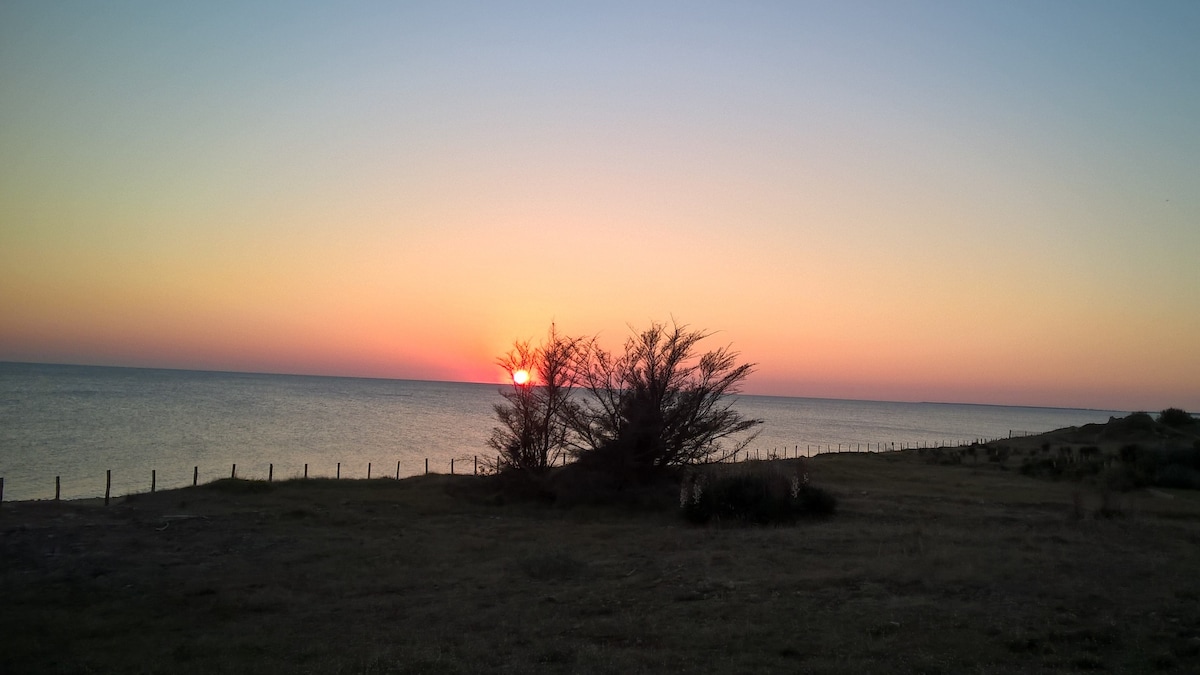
985,202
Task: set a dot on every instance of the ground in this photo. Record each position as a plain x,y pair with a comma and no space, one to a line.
926,567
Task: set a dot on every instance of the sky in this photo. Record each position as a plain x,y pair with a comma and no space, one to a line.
985,202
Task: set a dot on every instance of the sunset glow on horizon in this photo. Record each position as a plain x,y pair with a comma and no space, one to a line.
985,203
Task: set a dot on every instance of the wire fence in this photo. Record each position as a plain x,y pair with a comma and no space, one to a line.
472,465
814,449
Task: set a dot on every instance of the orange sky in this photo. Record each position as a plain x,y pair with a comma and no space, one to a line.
960,206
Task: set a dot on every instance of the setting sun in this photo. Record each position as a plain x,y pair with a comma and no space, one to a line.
521,377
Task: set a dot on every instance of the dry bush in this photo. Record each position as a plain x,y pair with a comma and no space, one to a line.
1176,417
760,492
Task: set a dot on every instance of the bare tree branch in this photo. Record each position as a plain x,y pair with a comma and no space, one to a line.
658,404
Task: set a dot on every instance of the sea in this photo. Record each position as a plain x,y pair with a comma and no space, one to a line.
83,430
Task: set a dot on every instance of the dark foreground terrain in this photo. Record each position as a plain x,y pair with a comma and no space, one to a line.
926,568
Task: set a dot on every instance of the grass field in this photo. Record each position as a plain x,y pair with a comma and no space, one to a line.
926,568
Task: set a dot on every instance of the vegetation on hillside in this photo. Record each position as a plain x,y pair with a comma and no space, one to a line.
1124,454
632,420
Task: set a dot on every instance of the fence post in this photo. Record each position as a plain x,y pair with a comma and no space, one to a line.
339,470
57,487
368,471
233,471
270,472
397,469
451,466
195,475
426,466
306,469
107,485
153,479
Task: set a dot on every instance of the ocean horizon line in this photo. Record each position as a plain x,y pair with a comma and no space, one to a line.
503,384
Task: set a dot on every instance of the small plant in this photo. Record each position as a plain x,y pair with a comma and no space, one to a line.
1176,475
1077,511
1119,478
1043,466
1140,421
1110,507
236,486
762,495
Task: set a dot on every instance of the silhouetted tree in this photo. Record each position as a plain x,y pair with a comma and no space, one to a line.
533,432
658,404
1176,417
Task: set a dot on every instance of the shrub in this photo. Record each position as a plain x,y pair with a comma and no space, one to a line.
1088,468
238,486
1041,467
658,405
1140,421
1176,417
944,457
1111,506
814,501
1184,456
586,483
532,434
1121,478
1131,453
1176,467
761,495
1177,476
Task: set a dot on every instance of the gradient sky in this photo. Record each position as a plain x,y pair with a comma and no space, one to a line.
992,202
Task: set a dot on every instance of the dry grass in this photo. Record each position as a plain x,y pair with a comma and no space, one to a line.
925,568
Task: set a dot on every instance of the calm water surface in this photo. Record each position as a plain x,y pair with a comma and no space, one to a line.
79,421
